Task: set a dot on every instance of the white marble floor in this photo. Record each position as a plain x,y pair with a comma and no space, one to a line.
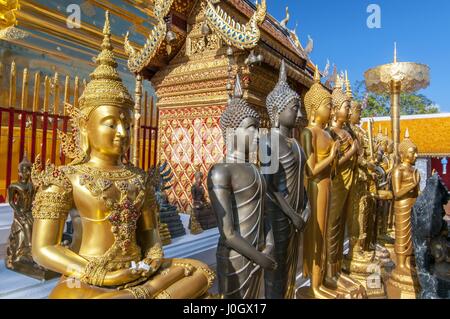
201,247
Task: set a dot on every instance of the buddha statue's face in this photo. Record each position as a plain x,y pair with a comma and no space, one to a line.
108,130
384,146
323,112
355,116
247,135
291,114
198,178
390,148
341,113
24,173
409,156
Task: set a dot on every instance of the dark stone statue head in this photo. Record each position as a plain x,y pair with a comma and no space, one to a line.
25,169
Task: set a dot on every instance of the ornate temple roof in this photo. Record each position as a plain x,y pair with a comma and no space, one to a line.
429,132
276,42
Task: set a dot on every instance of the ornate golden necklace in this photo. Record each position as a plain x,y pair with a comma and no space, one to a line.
125,172
124,211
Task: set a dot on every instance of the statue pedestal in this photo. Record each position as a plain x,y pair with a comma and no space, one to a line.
367,270
403,285
33,270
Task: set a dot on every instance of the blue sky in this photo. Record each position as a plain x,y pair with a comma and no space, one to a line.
421,29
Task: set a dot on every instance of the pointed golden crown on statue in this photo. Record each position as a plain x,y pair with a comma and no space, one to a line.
105,88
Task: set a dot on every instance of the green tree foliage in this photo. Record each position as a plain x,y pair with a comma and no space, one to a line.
380,104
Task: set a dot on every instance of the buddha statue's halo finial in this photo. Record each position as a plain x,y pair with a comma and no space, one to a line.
238,92
236,111
25,161
105,86
338,96
316,94
406,144
283,72
316,74
281,96
348,86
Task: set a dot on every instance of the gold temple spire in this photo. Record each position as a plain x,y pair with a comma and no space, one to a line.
395,52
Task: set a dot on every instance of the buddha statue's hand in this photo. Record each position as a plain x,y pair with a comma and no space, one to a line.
335,149
267,262
299,222
416,177
152,266
355,145
121,277
305,215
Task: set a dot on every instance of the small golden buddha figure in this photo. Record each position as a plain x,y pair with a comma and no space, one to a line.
340,205
403,282
120,254
321,154
385,150
360,257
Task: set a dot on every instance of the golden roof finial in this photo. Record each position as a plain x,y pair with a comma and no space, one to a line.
285,21
317,74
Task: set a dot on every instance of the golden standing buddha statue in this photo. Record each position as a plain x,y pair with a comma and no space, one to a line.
340,205
359,261
403,282
321,154
120,255
386,150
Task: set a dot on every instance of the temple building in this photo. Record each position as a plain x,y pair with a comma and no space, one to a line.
58,39
191,86
430,133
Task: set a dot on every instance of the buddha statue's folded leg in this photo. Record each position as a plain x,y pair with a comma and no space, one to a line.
70,288
198,278
176,279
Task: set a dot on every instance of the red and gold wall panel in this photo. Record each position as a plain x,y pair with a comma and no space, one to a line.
190,139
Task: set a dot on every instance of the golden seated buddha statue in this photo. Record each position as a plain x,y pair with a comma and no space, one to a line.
121,254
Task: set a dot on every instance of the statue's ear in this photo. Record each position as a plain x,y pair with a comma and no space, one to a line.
313,115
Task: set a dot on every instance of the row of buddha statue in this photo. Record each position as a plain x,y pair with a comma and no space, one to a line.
337,181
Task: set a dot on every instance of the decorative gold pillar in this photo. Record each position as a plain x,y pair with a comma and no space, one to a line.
395,116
